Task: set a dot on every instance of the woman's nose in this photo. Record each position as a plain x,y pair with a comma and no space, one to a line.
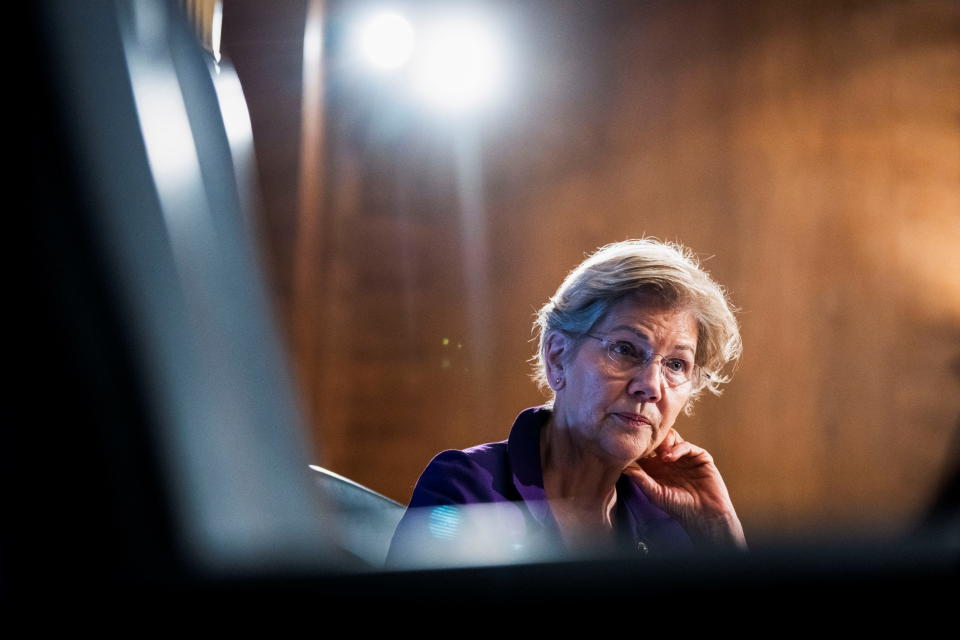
646,381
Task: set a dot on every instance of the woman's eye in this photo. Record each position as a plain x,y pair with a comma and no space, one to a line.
679,365
624,349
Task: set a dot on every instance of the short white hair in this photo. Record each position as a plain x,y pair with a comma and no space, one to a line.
667,271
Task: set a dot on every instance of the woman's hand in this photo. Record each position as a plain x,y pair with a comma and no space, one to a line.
682,479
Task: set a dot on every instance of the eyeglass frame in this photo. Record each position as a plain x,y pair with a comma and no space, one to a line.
696,371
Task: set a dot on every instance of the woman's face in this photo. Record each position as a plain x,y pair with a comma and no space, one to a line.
622,416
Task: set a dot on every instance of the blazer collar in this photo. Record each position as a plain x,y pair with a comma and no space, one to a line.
523,450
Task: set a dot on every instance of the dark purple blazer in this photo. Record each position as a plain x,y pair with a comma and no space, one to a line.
508,474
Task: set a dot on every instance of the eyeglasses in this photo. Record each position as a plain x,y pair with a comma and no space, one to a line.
626,357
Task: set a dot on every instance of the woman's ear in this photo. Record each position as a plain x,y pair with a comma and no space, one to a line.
556,348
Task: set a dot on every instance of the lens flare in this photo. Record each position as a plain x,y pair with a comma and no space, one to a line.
388,41
460,65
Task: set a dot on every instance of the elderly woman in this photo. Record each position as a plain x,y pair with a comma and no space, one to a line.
628,342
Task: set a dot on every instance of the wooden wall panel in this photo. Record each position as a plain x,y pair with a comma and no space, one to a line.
810,150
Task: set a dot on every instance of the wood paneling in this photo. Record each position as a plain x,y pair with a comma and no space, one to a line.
811,148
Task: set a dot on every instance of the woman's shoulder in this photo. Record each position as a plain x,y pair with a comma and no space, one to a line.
437,527
483,456
465,476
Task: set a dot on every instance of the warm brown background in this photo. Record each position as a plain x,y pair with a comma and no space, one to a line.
811,148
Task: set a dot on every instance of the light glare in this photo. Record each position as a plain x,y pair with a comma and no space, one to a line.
460,65
388,41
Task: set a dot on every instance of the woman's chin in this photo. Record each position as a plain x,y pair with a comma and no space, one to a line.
628,452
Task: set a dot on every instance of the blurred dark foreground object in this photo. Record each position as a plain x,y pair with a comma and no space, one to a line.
163,455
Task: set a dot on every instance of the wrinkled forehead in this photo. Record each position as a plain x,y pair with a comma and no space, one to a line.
649,318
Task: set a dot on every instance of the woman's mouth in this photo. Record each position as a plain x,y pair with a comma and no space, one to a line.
634,419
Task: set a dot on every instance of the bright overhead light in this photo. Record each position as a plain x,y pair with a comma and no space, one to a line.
387,40
459,65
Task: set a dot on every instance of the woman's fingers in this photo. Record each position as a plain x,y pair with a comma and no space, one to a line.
673,438
675,447
640,474
676,452
652,488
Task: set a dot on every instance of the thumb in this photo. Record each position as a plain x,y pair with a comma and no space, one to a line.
647,484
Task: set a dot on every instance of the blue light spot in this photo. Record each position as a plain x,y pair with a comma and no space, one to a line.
444,521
